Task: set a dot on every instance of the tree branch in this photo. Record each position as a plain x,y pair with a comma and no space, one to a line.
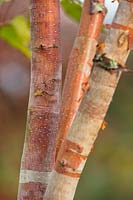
44,101
80,65
74,152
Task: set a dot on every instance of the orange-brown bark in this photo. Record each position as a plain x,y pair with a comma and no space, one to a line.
79,67
96,102
44,101
81,137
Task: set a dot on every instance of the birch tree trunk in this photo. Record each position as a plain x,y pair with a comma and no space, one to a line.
74,152
80,65
44,101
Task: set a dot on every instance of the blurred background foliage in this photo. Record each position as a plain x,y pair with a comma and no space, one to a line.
108,173
72,8
17,34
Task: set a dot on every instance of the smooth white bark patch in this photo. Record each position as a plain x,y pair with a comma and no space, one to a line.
84,133
27,176
88,48
62,188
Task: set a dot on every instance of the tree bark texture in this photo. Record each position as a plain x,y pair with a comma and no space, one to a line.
44,101
80,66
79,142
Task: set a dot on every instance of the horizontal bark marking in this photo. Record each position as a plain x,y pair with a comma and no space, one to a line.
27,176
67,173
69,162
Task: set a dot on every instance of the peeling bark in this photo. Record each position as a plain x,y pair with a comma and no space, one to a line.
79,66
44,101
73,153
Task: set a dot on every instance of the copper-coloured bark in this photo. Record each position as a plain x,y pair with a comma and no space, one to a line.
44,101
103,84
64,178
71,159
79,68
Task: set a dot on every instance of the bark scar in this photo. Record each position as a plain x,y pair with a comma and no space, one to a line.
127,30
42,47
123,38
47,87
69,162
85,88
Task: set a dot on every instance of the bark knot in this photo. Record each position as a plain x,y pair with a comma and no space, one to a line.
43,47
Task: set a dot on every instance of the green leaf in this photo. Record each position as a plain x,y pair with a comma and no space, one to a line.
21,26
17,34
72,8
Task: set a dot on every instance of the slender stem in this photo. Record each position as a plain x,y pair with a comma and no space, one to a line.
73,154
44,101
80,66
